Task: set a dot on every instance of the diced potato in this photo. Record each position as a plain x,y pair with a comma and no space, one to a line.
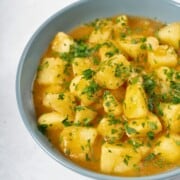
84,115
87,90
102,31
63,103
168,148
111,105
118,159
54,88
171,116
51,125
51,71
140,145
134,46
113,72
119,93
51,119
81,64
162,56
62,43
107,50
142,126
135,105
111,128
170,34
121,21
152,43
77,142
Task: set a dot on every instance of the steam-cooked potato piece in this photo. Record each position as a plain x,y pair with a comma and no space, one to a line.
171,116
84,115
162,56
142,127
118,159
51,125
77,142
111,105
51,119
62,43
121,21
63,103
87,90
102,31
81,64
152,43
168,148
52,71
107,50
134,46
170,34
113,72
111,128
135,105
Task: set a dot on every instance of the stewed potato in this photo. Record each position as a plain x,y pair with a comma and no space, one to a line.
107,95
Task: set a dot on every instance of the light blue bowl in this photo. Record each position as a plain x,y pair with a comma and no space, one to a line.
64,20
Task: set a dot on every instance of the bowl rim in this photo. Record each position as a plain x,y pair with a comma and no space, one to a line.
65,162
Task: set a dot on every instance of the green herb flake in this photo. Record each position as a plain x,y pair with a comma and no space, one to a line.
130,130
61,96
150,135
66,122
88,74
126,159
150,157
43,128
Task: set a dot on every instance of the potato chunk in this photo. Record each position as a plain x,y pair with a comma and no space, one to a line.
77,142
111,128
171,116
142,127
87,90
62,43
63,103
107,50
118,159
111,105
162,56
113,72
84,115
170,34
168,148
51,71
135,105
134,46
81,64
102,31
51,125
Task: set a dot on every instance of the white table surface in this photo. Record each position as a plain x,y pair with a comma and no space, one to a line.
20,157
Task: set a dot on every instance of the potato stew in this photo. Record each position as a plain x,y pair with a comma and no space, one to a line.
107,95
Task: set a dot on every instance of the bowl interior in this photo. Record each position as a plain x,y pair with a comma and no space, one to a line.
64,20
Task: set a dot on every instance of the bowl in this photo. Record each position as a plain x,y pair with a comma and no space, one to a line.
64,20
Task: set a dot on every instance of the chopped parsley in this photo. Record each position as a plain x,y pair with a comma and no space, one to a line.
61,96
91,89
88,74
150,157
130,130
43,128
126,159
150,135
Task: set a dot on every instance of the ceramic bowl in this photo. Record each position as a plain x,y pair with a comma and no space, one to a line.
64,20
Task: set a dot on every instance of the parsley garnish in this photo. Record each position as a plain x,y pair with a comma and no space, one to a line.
88,74
43,128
